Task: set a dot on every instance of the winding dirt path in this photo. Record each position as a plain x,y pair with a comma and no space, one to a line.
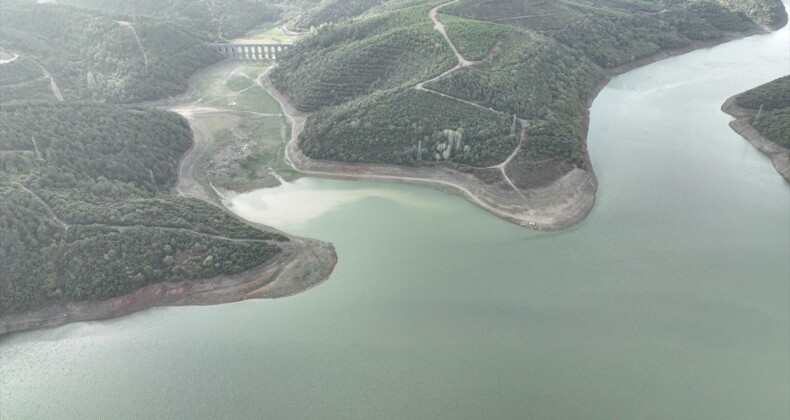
185,185
437,25
130,26
66,226
8,60
521,17
462,62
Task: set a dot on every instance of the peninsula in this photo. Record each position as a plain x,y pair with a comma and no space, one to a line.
487,99
763,119
103,212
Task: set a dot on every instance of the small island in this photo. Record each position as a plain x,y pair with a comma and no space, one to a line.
763,119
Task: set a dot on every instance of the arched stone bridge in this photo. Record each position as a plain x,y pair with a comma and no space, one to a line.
251,51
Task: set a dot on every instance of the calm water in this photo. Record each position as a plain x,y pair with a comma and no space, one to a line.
671,301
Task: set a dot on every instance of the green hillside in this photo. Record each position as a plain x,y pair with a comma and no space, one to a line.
340,62
211,19
390,127
87,211
332,11
774,100
772,95
473,38
541,61
93,56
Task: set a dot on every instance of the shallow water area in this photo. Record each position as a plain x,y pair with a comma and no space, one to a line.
672,300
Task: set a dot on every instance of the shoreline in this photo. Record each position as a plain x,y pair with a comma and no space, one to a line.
301,265
780,156
563,204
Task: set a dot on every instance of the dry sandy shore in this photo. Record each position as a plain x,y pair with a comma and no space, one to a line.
780,156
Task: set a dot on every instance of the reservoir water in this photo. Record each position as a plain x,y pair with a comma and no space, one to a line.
672,300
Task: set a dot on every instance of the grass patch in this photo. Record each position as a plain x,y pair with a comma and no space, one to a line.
238,83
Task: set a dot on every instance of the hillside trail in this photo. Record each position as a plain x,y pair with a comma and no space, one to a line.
438,26
297,120
52,84
130,26
463,62
121,228
47,208
9,60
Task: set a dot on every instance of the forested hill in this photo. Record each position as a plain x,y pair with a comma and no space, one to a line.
772,102
87,213
210,19
96,56
370,79
117,51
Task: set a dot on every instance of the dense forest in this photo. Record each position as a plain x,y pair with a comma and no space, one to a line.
772,95
87,211
408,127
95,56
210,19
773,122
341,62
332,11
541,61
23,79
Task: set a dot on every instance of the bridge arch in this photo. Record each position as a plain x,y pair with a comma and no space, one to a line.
251,51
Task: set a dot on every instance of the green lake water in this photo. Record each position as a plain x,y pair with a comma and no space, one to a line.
672,300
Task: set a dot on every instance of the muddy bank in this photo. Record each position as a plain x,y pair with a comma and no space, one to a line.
301,265
780,156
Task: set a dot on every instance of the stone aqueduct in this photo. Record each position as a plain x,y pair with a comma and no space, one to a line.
251,51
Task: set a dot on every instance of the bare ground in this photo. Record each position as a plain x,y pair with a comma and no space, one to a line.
52,84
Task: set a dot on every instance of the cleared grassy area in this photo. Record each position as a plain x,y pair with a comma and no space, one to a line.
244,132
266,34
238,83
257,100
